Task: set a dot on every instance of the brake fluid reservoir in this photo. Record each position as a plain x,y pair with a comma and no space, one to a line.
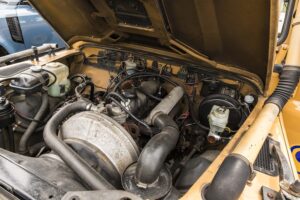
62,83
218,120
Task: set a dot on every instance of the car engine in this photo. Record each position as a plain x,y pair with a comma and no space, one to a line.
150,132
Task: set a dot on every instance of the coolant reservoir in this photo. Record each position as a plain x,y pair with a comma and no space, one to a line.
62,83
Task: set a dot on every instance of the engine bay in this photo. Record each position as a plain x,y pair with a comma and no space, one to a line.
110,119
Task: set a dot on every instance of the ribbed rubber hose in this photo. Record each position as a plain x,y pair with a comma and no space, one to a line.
34,124
93,179
289,79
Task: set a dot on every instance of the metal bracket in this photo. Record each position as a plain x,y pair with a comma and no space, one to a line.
35,54
269,194
287,178
52,52
285,172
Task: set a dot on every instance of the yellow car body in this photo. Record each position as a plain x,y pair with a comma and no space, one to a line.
241,40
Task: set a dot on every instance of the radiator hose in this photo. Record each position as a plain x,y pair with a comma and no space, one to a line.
233,174
149,177
154,154
93,179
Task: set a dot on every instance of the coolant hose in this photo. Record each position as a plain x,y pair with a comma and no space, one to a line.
154,154
233,174
71,158
34,124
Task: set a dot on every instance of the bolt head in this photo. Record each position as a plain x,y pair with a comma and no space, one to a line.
270,195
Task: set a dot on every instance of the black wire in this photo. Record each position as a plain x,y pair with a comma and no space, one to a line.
20,128
78,76
129,113
23,116
150,95
55,77
81,87
116,95
112,81
27,118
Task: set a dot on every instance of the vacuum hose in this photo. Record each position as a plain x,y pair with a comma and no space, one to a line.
34,124
72,159
233,174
